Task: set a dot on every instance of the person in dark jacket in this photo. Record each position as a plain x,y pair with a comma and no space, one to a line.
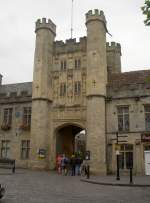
73,165
2,191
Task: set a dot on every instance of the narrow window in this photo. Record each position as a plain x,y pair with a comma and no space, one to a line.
62,89
147,117
13,94
7,120
123,118
27,116
77,63
63,65
5,149
25,149
24,93
77,88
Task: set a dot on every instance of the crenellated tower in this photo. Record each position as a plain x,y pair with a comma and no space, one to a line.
45,34
96,89
42,92
113,57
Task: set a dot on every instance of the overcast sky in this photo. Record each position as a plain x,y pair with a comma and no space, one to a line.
17,37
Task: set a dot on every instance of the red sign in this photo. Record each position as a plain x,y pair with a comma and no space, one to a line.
145,137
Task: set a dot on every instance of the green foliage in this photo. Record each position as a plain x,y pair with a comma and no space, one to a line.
146,11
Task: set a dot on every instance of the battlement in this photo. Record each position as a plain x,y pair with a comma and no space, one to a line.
113,46
45,24
95,15
70,45
68,41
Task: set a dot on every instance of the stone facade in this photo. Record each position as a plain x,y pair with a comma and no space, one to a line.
77,86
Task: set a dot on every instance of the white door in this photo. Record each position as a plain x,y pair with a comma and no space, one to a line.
147,162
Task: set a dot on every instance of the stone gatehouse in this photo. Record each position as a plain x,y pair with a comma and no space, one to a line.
77,86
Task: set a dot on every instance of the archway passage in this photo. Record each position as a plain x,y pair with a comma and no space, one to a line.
70,139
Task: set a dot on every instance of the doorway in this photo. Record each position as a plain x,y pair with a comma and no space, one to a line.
70,139
147,162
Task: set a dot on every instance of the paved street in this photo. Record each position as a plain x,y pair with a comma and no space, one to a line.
47,187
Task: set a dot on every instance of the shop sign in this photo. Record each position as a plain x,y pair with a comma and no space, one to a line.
117,147
42,153
145,137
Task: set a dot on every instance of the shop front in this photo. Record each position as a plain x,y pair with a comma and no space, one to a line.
145,139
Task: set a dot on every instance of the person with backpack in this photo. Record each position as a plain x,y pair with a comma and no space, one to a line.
66,161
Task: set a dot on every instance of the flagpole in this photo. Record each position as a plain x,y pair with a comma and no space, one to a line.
72,19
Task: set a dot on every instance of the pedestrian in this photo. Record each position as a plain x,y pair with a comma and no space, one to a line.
66,165
63,165
78,164
58,163
73,165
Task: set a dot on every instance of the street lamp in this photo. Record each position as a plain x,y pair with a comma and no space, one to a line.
118,151
117,154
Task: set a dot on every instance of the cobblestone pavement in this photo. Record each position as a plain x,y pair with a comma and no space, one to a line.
47,187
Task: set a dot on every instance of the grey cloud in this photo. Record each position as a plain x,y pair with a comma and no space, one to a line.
17,18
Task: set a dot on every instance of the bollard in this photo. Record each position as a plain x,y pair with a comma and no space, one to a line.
131,176
118,174
88,172
14,167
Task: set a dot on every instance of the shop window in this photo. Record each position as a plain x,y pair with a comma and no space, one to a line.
147,117
62,89
25,149
5,148
147,148
123,118
77,63
126,156
77,88
63,65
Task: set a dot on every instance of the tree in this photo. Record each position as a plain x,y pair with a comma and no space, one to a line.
146,11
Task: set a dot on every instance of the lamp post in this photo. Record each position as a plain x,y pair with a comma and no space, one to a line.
131,167
117,154
118,151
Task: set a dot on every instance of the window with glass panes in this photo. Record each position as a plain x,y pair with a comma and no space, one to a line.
63,65
27,116
5,148
123,118
77,88
25,149
126,156
77,63
147,117
62,89
7,120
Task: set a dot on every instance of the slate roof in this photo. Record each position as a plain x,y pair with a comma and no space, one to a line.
129,78
18,87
